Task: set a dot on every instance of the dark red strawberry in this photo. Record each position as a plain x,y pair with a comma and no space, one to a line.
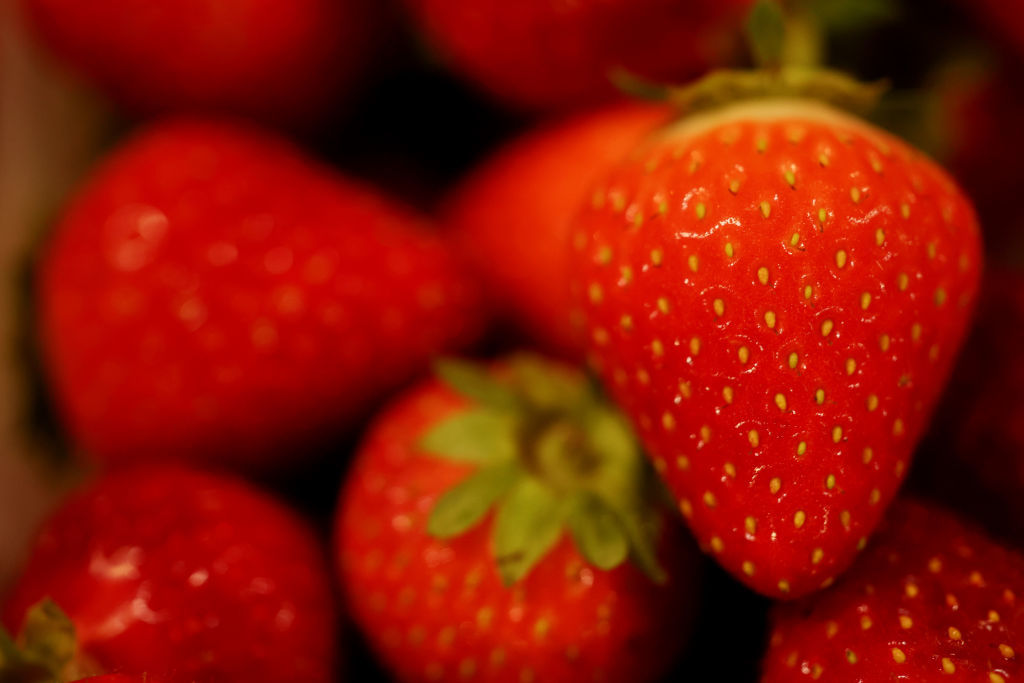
579,574
519,204
975,454
282,62
931,600
210,294
1004,19
542,54
774,292
190,577
118,678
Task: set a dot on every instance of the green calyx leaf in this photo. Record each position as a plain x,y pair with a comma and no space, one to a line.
727,86
464,506
475,436
597,532
46,649
766,33
477,384
528,524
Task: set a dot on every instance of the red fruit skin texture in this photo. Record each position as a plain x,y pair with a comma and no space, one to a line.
211,295
279,62
437,609
511,216
118,678
548,54
779,346
190,577
931,600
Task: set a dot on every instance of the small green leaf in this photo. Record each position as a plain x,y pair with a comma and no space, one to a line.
528,525
9,653
548,386
766,32
465,505
636,87
643,536
597,532
853,15
476,436
48,635
476,383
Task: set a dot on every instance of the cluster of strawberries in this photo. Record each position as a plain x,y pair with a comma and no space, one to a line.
771,294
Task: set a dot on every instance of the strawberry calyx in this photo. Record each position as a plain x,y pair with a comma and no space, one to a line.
45,651
552,457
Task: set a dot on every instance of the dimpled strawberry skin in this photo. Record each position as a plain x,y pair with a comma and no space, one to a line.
774,293
511,217
437,610
931,600
212,295
189,577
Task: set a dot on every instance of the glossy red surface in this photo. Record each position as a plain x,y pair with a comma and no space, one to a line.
779,324
192,578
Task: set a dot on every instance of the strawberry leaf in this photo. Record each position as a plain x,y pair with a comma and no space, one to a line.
528,524
597,532
642,533
474,382
465,505
475,436
546,387
49,635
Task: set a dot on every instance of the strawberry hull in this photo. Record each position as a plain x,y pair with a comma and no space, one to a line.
774,292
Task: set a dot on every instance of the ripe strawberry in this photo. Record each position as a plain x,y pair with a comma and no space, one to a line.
191,577
931,600
444,589
212,295
978,436
282,62
540,54
520,203
774,293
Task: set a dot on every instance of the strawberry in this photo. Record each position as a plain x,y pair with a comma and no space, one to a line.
278,62
443,588
212,295
519,204
978,437
931,600
188,576
539,54
774,293
118,678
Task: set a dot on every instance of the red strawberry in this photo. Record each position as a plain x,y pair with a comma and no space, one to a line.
278,61
189,576
444,589
118,678
520,203
210,294
774,292
978,437
541,54
931,600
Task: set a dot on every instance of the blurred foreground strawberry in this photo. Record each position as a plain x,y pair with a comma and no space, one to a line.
511,216
283,62
190,577
212,295
774,292
543,54
501,525
931,600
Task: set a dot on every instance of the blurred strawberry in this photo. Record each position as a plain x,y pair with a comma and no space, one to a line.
191,577
931,600
975,455
544,54
1005,18
212,295
775,292
511,216
283,62
580,573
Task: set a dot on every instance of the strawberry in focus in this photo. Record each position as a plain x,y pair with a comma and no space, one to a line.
278,62
212,295
543,54
774,293
931,600
191,577
579,573
511,216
